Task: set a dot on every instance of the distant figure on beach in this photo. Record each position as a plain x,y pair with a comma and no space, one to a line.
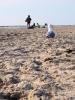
38,25
32,26
45,25
50,33
28,20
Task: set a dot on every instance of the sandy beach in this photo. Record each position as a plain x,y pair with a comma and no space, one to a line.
33,67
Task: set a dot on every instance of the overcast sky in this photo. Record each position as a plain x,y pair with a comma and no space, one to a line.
14,12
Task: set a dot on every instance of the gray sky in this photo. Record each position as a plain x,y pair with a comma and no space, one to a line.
14,12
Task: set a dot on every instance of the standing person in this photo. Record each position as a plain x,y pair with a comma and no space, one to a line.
28,20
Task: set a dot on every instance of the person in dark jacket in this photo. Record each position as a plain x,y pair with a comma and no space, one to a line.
28,20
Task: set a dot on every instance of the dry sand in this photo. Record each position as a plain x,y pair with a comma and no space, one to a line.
33,67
